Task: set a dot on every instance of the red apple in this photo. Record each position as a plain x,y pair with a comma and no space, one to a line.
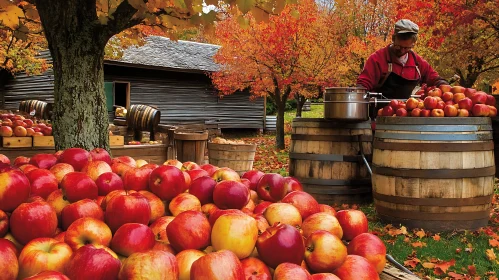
219,265
38,216
100,154
491,100
394,104
235,232
189,230
120,168
353,222
95,168
43,182
57,201
82,208
458,96
156,204
152,264
150,166
187,179
283,213
167,182
196,173
42,254
356,268
208,209
465,103
463,113
132,238
255,269
20,160
380,112
136,179
209,168
450,111
437,113
189,165
173,162
25,168
230,195
6,131
47,131
304,202
416,112
260,208
44,161
87,230
202,188
321,221
324,276
225,173
48,275
91,262
480,110
112,194
430,102
469,92
445,88
28,122
185,260
131,208
279,244
184,202
388,111
77,186
324,251
479,98
412,103
369,246
271,187
293,271
60,170
14,189
158,227
425,113
292,184
9,265
440,105
436,92
253,176
77,157
4,223
108,182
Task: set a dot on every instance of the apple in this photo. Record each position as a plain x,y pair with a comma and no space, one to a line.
42,254
47,131
416,112
480,97
189,165
48,275
42,181
425,113
219,212
158,227
321,221
187,179
150,166
447,96
271,187
283,213
492,111
202,188
38,216
469,92
491,100
324,208
255,269
463,113
480,110
20,131
436,92
412,103
152,264
87,230
430,102
184,202
173,162
279,244
219,265
465,103
112,194
209,168
14,189
93,262
437,113
380,112
77,157
260,208
249,207
60,170
120,168
235,232
163,246
37,133
141,162
445,88
208,209
132,238
101,155
167,182
44,161
253,176
95,168
293,271
246,182
25,168
388,111
28,122
156,204
57,201
230,195
77,186
6,131
225,173
185,260
394,104
136,179
130,208
324,276
450,111
107,182
458,96
189,230
353,222
356,268
82,208
304,202
196,173
126,160
324,251
440,105
292,184
9,265
4,223
372,248
18,161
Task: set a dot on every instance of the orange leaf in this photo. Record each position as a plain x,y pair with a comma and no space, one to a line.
443,267
457,276
420,234
428,265
471,270
490,254
436,237
412,262
418,244
494,242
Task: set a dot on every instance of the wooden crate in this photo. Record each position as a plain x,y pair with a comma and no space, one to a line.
115,140
43,141
17,142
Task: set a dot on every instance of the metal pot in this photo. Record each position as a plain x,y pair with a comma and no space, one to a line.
346,103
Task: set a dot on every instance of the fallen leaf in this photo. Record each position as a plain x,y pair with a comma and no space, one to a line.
456,276
436,237
490,254
428,265
418,244
413,262
494,242
442,267
420,233
471,270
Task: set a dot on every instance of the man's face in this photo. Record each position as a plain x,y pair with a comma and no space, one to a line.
401,47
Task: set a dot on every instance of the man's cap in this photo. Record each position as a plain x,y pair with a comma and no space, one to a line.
406,26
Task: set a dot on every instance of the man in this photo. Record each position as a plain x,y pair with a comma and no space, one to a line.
396,70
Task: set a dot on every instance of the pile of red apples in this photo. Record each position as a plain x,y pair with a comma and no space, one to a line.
19,126
77,214
443,101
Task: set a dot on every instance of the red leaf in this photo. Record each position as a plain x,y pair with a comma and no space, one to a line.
441,268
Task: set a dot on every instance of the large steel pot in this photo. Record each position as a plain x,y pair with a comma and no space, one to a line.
346,103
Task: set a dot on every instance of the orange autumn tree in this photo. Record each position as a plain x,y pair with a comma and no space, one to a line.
275,59
77,32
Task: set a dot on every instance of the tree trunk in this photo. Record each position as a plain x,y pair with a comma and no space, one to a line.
76,45
279,135
300,101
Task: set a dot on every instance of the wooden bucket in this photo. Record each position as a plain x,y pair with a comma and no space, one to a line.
433,173
325,157
238,157
40,108
190,146
143,117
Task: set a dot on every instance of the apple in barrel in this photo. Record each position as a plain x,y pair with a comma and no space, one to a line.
280,243
153,264
87,230
93,262
222,264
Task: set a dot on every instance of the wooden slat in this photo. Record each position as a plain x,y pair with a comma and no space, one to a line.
43,141
393,273
17,142
115,140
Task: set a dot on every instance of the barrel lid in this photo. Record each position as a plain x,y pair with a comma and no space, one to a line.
338,90
434,120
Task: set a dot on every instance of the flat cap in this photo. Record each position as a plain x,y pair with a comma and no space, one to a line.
406,26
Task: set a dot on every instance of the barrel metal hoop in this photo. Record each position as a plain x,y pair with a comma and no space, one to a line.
346,101
333,138
434,121
435,128
429,216
332,182
245,151
324,123
434,137
337,190
225,159
434,147
434,173
326,157
444,202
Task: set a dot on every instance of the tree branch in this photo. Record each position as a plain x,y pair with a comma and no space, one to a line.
122,19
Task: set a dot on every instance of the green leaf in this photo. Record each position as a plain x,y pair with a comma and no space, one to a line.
245,5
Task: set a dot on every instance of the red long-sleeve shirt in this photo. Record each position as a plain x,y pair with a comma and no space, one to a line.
376,69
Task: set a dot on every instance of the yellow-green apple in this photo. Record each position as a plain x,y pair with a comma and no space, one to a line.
6,131
370,247
293,271
189,165
32,220
437,113
77,186
253,176
219,212
283,213
82,208
235,232
412,103
436,92
129,208
292,184
219,265
324,251
167,182
25,168
60,170
271,187
260,207
132,238
4,223
20,160
87,230
173,162
456,89
126,160
445,88
279,244
430,102
156,204
209,168
48,275
42,254
304,202
100,154
20,131
447,96
108,182
14,189
450,111
196,173
9,265
458,96
152,264
208,209
480,110
42,182
356,268
463,113
328,209
120,168
401,112
469,92
321,221
465,103
136,179
202,188
324,276
225,173
185,260
184,202
230,194
140,162
95,168
255,269
189,230
353,222
57,201
479,97
93,262
77,157
492,111
159,228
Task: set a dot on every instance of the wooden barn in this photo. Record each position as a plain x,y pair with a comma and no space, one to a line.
169,75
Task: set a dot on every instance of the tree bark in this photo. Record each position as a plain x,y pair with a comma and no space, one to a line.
280,100
300,101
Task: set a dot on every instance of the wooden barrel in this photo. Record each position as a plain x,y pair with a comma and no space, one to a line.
143,117
190,146
325,156
433,173
495,128
40,108
238,157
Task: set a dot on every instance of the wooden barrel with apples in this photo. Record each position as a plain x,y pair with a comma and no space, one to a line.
433,173
238,157
39,107
326,157
190,146
143,117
